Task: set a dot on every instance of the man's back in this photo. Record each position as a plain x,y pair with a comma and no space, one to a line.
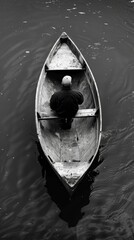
65,102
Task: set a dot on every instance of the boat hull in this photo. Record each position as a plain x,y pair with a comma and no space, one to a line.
69,152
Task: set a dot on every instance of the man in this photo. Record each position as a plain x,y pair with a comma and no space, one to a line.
65,102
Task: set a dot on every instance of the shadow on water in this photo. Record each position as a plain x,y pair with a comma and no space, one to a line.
70,206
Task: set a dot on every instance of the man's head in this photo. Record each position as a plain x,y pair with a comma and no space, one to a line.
66,81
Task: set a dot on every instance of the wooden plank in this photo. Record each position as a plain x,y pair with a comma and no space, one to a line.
82,113
68,69
69,146
86,113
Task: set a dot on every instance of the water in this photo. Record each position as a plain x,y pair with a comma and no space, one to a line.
33,207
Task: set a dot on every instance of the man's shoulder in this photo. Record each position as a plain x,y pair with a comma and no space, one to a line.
57,93
76,92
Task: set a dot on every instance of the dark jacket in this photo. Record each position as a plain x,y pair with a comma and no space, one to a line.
65,102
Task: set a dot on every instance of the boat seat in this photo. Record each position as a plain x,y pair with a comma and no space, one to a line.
68,69
83,68
82,113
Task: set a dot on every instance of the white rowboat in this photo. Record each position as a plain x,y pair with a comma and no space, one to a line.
69,152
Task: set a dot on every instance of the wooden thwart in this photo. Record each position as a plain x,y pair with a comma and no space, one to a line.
82,113
66,69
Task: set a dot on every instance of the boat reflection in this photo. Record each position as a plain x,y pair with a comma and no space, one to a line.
70,206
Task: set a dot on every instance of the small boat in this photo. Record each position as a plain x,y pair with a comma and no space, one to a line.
70,152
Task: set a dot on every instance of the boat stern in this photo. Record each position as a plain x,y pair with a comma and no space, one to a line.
71,172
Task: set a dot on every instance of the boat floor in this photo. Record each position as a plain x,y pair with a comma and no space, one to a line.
70,145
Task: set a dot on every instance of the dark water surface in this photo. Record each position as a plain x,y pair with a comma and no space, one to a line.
32,207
